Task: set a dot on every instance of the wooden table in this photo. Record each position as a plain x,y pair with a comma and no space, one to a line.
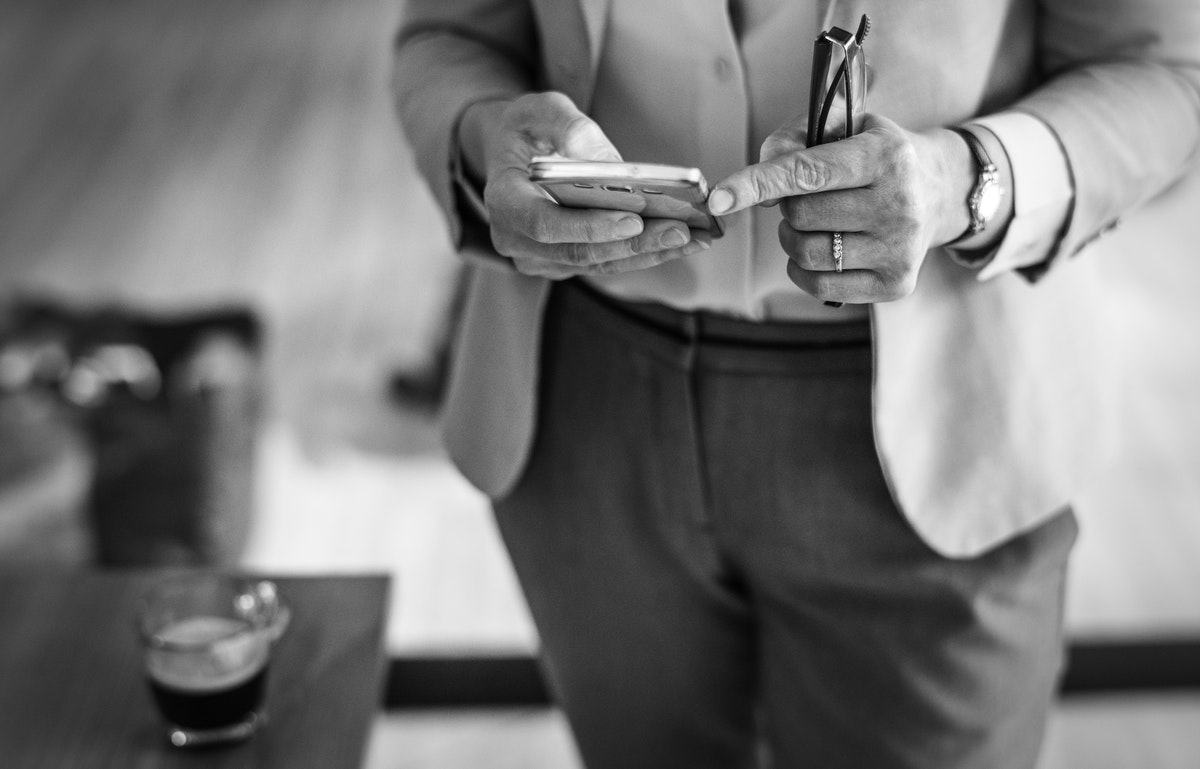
72,692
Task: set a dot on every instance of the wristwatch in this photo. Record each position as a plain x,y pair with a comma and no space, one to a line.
985,198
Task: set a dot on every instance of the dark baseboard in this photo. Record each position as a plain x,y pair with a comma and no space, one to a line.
483,681
1103,667
1093,667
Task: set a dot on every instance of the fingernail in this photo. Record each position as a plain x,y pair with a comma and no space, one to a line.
696,246
674,238
629,227
720,201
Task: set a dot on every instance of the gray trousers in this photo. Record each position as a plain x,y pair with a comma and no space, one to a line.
719,575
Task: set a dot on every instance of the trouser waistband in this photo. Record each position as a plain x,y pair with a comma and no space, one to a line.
713,328
707,341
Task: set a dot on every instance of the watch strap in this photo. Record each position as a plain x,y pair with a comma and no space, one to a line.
977,149
988,174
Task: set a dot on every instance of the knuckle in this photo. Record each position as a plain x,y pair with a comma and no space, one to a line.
824,286
908,281
580,124
598,230
887,289
800,260
539,268
579,254
817,256
905,197
778,144
606,268
799,277
517,110
536,228
796,211
911,224
578,129
650,241
530,267
641,244
583,137
901,154
505,243
905,202
799,250
523,112
770,148
536,102
890,139
585,230
806,174
891,288
789,240
552,98
762,187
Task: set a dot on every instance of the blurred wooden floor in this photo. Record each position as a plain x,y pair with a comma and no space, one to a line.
177,154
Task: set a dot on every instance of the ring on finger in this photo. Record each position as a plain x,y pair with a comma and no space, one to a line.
837,251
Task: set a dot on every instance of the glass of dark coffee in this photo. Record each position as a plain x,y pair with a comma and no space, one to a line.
206,641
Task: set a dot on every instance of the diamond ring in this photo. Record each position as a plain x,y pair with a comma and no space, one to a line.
837,251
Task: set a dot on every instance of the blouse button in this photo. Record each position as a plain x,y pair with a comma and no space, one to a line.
723,68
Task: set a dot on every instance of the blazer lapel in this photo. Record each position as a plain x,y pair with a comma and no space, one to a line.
594,15
572,37
595,18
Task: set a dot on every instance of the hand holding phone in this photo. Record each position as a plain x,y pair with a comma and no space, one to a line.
653,191
541,238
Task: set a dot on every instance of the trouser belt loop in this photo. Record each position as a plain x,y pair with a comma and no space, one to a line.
691,330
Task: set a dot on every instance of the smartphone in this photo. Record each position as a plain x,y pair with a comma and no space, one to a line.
647,189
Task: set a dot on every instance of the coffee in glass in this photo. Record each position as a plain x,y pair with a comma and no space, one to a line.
206,642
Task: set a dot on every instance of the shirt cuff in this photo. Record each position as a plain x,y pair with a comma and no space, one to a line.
1042,191
468,192
474,241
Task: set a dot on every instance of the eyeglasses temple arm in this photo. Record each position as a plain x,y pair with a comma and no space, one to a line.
822,48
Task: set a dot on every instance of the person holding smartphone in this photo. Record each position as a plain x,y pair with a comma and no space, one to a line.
750,524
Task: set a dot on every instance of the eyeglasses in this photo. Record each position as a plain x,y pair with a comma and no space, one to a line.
849,80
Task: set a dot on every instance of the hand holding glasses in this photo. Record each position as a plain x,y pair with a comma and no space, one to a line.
859,217
849,81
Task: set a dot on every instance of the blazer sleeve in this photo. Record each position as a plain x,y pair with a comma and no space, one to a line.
1122,96
449,55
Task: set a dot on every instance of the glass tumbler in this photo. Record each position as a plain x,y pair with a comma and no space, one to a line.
206,647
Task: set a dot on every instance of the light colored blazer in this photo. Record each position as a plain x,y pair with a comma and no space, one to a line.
989,397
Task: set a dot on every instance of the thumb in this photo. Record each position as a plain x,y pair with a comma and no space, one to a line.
581,138
563,129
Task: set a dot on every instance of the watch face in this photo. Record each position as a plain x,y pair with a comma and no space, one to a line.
988,199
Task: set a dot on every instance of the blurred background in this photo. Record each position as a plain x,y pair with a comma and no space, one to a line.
215,253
